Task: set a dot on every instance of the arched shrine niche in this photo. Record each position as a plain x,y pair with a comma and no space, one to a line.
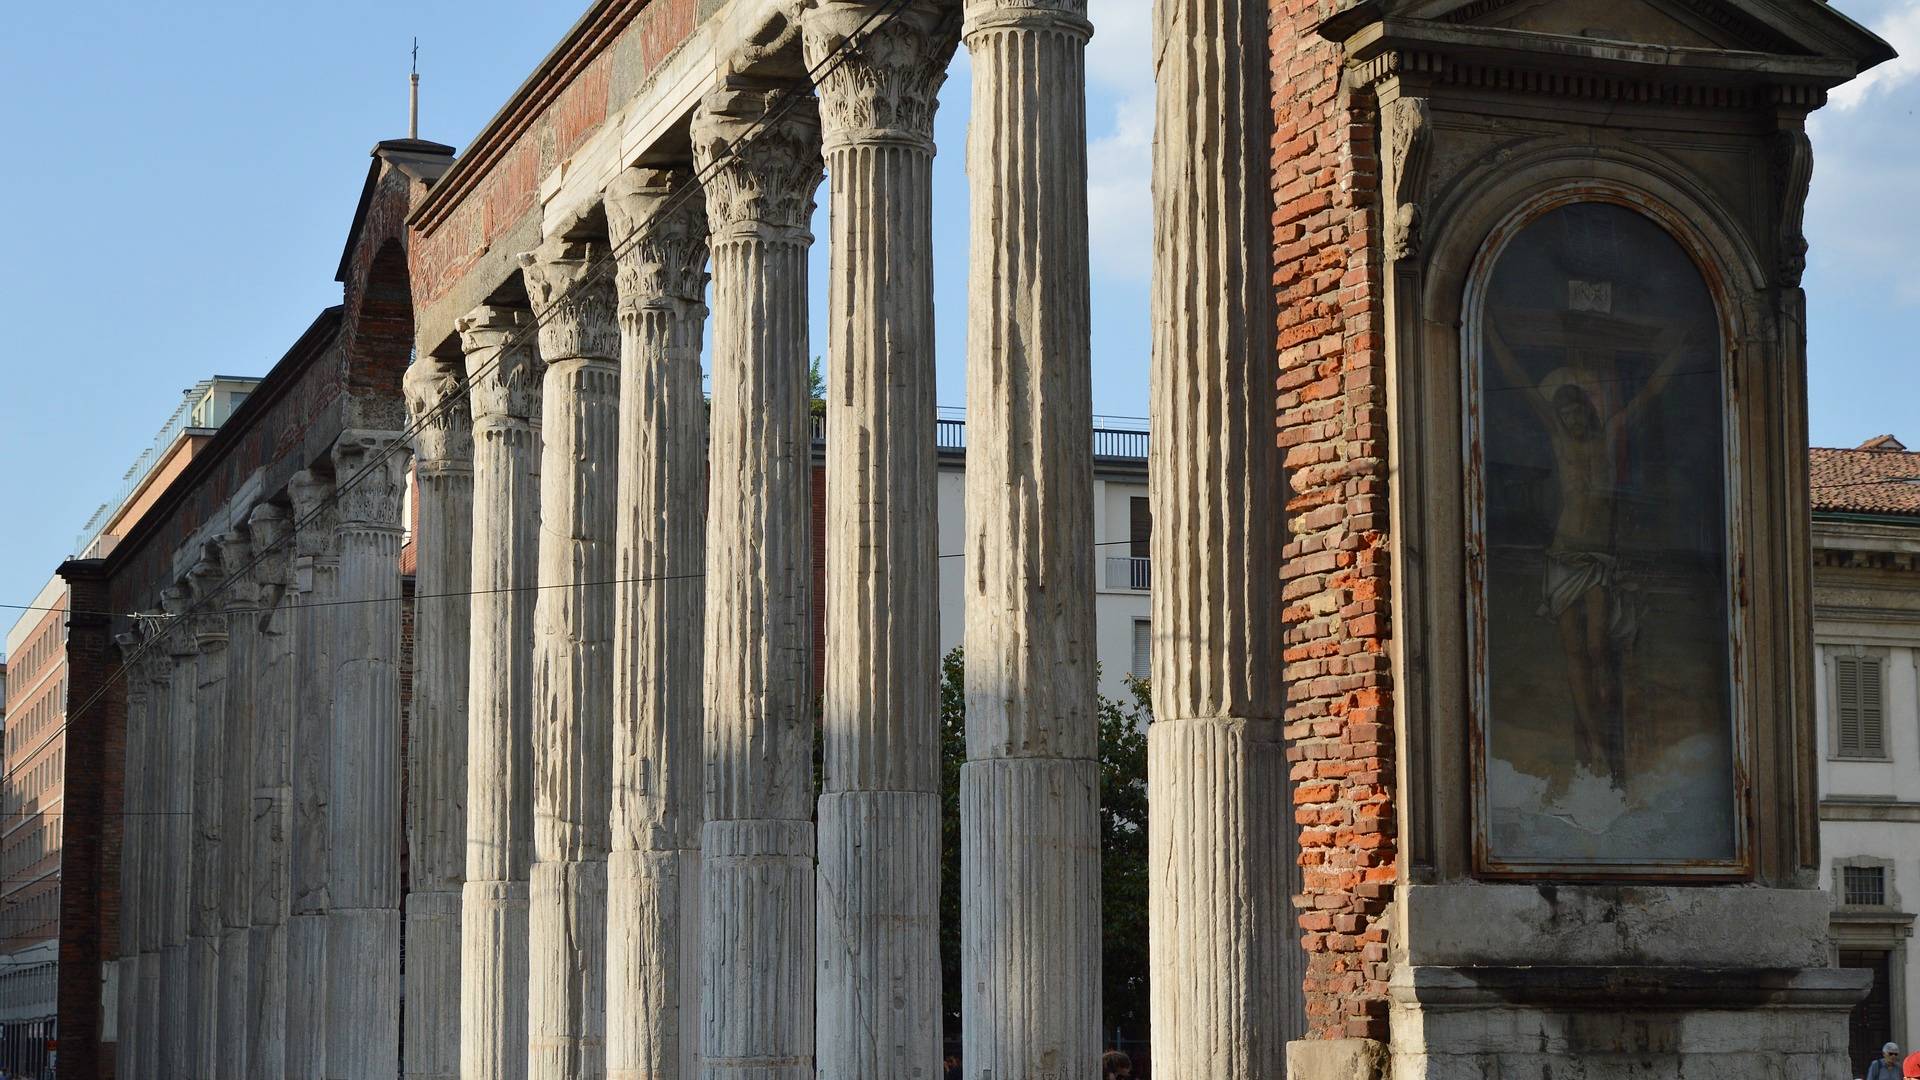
1606,720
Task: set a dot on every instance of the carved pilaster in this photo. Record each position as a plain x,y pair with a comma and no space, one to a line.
1793,171
1406,124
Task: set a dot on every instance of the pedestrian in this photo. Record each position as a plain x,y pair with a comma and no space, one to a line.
1887,1065
1116,1065
953,1067
1911,1070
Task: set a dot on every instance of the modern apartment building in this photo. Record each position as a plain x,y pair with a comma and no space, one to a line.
32,816
1866,589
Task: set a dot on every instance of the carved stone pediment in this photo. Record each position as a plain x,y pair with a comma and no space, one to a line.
1784,28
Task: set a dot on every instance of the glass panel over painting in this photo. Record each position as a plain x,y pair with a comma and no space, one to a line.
1608,707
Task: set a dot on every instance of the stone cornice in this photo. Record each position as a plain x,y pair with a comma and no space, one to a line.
572,292
657,219
767,185
887,86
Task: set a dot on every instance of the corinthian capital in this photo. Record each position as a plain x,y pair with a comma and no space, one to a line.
657,219
573,299
236,558
314,514
176,600
503,368
367,478
270,525
886,86
208,622
760,151
443,428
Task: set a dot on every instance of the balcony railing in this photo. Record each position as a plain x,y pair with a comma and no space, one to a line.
1129,572
1113,439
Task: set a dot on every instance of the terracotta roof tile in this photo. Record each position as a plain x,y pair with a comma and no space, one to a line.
1881,477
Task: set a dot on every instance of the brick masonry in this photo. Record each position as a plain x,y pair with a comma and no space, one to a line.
1332,404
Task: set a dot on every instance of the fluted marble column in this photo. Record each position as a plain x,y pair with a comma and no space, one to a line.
241,598
504,377
363,811
316,578
1219,917
133,853
658,225
757,887
156,876
1029,793
179,1020
268,881
205,926
437,722
573,301
879,813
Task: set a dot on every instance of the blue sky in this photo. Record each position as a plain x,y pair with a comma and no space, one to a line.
182,179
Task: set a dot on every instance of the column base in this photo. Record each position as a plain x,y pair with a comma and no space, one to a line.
1590,1023
756,950
363,993
1336,1059
493,980
878,906
267,1004
567,985
1030,918
307,997
432,1013
653,964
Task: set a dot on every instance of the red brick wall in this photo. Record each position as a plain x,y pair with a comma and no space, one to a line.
90,857
1332,401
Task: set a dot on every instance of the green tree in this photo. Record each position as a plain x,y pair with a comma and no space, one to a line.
1123,849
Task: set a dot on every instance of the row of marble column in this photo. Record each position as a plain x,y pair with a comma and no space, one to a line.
618,862
260,877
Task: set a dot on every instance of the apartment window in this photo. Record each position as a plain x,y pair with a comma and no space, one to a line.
1863,886
1859,705
1142,648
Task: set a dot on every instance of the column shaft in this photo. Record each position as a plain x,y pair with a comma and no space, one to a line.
573,301
242,596
273,705
504,379
1224,966
156,875
204,922
310,772
757,888
363,810
1029,793
658,224
437,722
128,955
178,1018
879,814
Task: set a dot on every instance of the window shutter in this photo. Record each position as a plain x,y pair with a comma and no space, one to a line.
1873,711
1142,648
1846,697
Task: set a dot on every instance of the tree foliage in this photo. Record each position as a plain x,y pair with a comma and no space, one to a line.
1123,849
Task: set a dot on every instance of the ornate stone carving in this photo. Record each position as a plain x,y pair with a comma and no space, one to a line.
270,525
175,602
209,624
571,284
367,477
1793,171
767,184
657,219
443,426
236,559
504,371
886,85
1406,128
1032,15
314,514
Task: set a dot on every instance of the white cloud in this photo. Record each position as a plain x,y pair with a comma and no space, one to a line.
1120,138
1900,26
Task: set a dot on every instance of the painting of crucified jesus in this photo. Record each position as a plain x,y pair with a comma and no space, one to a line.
1604,624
